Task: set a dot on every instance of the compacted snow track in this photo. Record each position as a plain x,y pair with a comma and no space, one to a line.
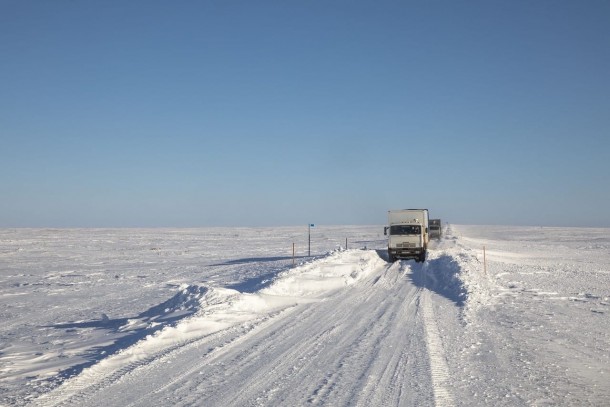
363,341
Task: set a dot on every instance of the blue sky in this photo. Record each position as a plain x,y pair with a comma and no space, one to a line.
263,113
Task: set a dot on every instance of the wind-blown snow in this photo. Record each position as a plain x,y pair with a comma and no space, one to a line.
223,317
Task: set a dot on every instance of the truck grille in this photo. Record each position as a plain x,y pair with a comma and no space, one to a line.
405,245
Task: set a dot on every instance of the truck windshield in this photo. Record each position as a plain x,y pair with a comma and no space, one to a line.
405,230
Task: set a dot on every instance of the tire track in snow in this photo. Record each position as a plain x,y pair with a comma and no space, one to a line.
438,364
75,391
293,354
214,354
401,374
341,351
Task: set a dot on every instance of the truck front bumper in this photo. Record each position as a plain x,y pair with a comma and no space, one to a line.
406,253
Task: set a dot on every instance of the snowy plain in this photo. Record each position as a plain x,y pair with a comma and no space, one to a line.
227,317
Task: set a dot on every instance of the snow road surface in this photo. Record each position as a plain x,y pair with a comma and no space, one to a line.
295,342
341,328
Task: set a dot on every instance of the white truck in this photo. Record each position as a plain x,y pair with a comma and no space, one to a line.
407,234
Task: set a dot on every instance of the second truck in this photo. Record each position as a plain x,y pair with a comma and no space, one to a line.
407,234
435,229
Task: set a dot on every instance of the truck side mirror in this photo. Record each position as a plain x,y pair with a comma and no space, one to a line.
385,231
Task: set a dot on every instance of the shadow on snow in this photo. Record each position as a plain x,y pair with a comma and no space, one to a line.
128,331
248,260
440,275
254,284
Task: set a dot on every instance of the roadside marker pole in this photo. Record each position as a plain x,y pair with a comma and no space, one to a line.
309,226
346,243
309,238
293,254
484,261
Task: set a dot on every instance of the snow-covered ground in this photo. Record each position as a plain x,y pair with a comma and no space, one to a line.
222,317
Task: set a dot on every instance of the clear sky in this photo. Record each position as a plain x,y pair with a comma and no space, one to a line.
262,113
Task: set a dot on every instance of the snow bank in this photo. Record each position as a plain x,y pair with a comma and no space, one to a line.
220,308
315,279
455,271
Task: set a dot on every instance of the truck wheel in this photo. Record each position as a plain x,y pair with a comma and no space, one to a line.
392,258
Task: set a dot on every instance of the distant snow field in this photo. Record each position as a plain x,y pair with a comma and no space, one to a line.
496,316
